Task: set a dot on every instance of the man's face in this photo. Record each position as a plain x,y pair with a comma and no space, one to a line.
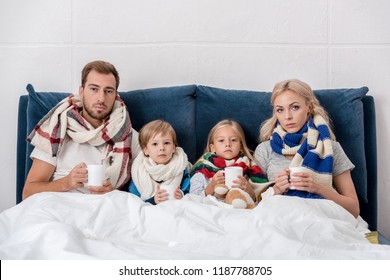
98,97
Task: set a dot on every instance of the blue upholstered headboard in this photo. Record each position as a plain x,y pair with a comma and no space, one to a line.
193,110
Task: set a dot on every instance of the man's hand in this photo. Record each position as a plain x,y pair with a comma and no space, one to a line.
107,187
77,177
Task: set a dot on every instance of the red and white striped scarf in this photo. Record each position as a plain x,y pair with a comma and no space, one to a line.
65,118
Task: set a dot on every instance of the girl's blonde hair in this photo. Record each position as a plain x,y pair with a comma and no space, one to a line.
237,129
153,128
303,90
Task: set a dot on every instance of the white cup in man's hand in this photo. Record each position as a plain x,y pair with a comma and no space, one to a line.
294,170
231,174
96,173
170,190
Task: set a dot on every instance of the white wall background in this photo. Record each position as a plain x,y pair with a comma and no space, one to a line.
243,44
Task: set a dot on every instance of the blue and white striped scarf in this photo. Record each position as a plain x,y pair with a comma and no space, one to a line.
311,148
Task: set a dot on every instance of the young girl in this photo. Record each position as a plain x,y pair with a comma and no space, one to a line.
162,162
226,146
299,134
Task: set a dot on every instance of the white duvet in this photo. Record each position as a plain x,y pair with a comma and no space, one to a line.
119,226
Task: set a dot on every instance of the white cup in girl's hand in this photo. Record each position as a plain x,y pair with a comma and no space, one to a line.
294,170
231,174
170,190
96,173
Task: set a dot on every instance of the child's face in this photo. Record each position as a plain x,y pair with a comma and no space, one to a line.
160,148
226,143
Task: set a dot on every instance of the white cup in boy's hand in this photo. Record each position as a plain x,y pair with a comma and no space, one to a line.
231,174
170,190
294,170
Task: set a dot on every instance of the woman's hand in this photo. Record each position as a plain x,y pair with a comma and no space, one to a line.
303,181
282,184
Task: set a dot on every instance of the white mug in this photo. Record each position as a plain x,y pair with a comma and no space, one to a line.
231,174
294,170
96,173
170,190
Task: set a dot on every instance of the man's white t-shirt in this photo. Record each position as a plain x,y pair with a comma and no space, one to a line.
73,153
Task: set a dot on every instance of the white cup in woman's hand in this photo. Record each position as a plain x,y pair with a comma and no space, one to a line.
294,170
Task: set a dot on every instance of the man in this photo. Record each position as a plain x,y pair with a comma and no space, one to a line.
90,128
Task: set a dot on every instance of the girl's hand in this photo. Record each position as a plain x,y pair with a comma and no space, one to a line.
218,178
178,193
160,195
282,184
244,184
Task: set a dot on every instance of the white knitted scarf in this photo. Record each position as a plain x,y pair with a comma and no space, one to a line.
146,174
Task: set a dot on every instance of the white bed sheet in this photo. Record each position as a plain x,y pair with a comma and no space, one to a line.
119,225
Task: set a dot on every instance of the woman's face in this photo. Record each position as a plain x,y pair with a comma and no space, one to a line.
291,111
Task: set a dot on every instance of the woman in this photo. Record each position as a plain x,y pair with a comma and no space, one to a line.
299,134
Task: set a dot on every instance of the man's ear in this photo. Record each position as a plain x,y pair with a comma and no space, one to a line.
81,91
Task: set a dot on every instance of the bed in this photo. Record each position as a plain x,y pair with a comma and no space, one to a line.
119,225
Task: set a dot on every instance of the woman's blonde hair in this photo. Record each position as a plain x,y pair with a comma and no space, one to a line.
303,90
237,129
153,128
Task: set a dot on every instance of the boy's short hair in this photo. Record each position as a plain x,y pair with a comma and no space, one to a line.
155,127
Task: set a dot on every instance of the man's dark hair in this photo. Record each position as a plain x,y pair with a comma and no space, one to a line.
101,67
